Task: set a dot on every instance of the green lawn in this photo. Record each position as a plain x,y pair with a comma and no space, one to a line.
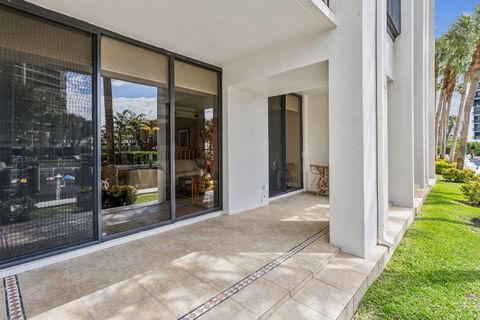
435,272
147,197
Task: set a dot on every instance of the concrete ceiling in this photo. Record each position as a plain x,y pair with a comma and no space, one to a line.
308,80
215,31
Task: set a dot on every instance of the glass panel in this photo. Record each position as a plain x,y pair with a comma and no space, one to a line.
196,139
293,141
134,122
276,145
46,135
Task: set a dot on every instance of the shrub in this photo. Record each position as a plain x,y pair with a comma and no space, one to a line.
442,164
17,210
455,175
471,191
85,199
117,196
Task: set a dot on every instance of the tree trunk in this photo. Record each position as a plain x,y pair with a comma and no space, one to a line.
466,118
458,125
438,118
445,129
109,129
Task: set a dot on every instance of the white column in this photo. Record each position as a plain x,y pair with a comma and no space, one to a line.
431,88
400,114
352,128
420,85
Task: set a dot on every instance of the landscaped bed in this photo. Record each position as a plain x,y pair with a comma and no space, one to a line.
435,271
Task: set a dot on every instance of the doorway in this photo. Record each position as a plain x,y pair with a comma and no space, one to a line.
285,144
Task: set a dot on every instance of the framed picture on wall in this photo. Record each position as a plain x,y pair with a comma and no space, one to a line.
183,138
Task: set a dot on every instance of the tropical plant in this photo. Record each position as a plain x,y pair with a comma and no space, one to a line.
473,77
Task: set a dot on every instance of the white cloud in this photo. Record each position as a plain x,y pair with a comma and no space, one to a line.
120,83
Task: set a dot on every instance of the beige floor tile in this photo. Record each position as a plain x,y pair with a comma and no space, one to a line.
197,261
251,261
161,278
228,309
44,289
221,275
145,309
341,277
261,296
106,301
323,298
364,266
292,310
94,272
185,296
74,310
288,277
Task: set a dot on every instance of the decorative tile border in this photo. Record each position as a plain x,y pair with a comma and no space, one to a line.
213,302
13,299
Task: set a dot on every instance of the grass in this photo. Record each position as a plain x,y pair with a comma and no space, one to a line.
146,197
435,272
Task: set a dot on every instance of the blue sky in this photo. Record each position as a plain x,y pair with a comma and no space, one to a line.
446,11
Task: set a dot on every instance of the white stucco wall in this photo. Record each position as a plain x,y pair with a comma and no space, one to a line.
315,141
246,157
352,121
401,115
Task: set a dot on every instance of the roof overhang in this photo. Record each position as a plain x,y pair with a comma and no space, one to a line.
220,32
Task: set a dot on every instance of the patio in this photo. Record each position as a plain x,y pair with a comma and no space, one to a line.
273,262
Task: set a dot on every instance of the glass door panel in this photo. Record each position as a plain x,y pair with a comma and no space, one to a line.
276,150
285,143
293,141
46,136
135,138
196,139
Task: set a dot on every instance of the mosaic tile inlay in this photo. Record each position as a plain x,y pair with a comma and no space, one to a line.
13,299
210,304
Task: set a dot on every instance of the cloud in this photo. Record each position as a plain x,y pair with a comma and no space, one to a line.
120,83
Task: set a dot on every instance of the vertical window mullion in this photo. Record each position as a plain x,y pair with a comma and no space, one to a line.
97,145
171,91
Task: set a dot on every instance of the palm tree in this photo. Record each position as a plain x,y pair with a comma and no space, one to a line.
472,89
461,36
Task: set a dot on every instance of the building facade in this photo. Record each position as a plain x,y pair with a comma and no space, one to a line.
476,116
123,118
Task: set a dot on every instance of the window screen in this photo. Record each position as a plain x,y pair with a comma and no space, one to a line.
46,136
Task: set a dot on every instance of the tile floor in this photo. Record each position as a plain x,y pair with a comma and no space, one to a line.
167,275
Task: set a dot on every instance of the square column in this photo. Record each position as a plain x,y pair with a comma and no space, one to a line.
352,128
401,114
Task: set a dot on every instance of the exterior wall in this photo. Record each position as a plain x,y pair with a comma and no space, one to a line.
420,92
246,158
341,125
316,139
400,115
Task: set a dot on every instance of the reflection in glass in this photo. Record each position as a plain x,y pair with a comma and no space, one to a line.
293,141
285,143
134,136
196,139
46,136
276,145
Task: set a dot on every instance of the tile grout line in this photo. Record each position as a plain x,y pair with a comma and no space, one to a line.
245,282
14,309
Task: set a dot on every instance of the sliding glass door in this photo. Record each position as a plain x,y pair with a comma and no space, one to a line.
134,137
100,136
46,136
197,173
285,144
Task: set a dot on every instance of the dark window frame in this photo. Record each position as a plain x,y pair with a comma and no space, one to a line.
97,32
394,21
